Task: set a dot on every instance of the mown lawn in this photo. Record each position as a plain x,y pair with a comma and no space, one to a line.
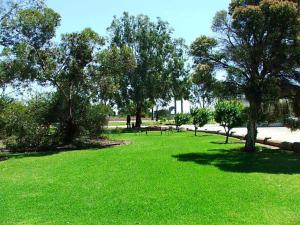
172,179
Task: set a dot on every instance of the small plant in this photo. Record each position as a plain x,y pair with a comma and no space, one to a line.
229,114
181,119
200,117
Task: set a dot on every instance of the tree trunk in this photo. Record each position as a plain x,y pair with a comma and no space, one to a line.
227,137
252,126
181,105
70,131
175,105
70,127
251,135
203,102
138,119
152,114
195,131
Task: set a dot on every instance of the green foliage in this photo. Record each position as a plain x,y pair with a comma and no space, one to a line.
205,85
258,46
182,119
200,117
4,102
146,59
96,119
229,114
24,130
70,68
27,29
42,123
292,123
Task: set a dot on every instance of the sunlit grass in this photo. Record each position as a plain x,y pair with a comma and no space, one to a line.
173,179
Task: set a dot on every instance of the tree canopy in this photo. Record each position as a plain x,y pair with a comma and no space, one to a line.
257,46
152,60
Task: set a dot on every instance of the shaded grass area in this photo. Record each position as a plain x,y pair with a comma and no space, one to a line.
167,180
144,123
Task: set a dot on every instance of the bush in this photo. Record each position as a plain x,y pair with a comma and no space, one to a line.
96,119
229,114
292,123
181,119
4,102
200,117
22,129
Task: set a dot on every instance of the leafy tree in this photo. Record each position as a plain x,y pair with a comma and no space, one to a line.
200,117
179,79
146,54
204,86
26,31
229,114
182,119
105,79
257,46
69,68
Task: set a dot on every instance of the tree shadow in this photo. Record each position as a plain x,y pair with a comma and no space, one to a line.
229,143
57,150
201,135
265,161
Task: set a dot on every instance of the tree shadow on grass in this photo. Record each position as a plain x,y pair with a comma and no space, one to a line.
96,146
265,161
229,143
200,135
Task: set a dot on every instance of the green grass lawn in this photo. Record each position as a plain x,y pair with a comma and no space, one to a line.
172,179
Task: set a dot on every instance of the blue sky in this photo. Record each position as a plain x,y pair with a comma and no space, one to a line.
189,18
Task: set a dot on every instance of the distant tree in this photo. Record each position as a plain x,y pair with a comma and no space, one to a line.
146,53
204,87
179,82
182,119
229,114
200,117
257,46
106,72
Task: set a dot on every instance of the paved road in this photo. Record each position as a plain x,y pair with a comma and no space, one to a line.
281,134
275,133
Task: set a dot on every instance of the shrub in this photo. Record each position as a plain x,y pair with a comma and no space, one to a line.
23,130
96,119
4,102
200,117
181,119
229,114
